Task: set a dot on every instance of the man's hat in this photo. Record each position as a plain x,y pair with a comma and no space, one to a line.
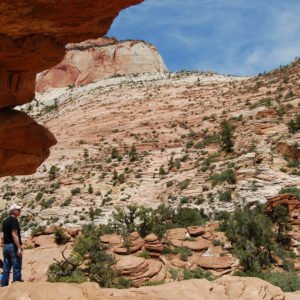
15,206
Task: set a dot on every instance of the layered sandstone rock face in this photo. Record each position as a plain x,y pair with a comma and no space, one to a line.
32,39
227,288
98,59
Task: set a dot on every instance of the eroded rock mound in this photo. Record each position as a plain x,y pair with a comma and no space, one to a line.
98,59
138,269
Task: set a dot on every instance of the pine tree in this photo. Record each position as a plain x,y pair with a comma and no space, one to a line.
226,136
114,153
133,153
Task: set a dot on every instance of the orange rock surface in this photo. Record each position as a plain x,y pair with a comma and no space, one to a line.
227,288
24,144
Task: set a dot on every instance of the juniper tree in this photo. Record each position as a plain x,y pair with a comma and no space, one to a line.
226,136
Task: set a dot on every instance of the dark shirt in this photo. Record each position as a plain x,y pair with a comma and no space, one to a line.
11,223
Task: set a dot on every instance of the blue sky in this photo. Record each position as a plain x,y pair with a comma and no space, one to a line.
240,37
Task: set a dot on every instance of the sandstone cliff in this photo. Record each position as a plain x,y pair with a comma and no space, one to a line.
98,59
32,38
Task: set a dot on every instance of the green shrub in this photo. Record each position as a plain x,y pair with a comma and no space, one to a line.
251,236
162,172
38,229
174,273
67,202
189,144
287,281
75,191
169,183
89,259
184,252
218,243
225,196
227,175
154,283
90,189
184,184
60,237
198,273
114,153
291,190
145,254
53,172
47,203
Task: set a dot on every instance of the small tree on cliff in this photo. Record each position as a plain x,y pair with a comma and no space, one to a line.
226,137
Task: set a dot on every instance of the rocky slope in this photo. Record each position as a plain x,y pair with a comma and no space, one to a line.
33,35
93,60
174,122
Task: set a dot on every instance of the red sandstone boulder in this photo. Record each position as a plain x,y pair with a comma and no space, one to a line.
177,233
210,262
114,239
196,230
153,245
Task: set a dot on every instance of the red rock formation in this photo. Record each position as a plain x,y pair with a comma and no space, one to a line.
196,230
32,38
289,150
94,60
266,113
136,244
24,144
153,245
289,201
210,262
137,269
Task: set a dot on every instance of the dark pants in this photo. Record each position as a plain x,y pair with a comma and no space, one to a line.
11,260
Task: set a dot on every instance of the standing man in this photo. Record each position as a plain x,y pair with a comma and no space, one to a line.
12,251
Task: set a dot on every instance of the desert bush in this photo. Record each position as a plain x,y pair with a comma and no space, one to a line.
250,233
145,254
227,175
89,261
225,196
53,172
287,281
60,237
291,190
66,203
184,184
75,191
198,273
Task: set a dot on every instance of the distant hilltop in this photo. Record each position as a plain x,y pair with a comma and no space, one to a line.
94,60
